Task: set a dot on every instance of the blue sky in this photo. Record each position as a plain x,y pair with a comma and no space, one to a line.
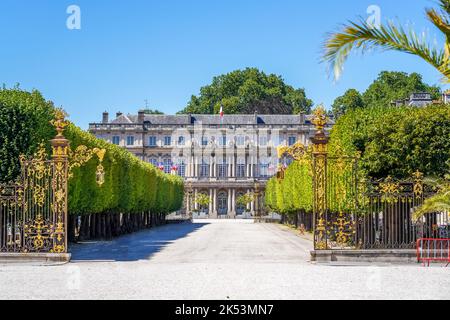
164,51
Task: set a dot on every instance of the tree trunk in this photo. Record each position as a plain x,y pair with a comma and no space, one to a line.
108,226
71,228
84,228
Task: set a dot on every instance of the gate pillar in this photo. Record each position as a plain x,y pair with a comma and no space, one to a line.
60,153
320,153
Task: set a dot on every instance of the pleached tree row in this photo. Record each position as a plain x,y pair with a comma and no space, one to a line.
135,194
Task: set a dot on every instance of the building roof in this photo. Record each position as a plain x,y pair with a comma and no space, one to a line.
242,119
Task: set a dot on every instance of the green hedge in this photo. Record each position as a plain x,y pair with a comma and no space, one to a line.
135,193
131,185
294,192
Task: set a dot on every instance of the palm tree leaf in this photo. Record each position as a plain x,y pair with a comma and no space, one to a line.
364,37
445,6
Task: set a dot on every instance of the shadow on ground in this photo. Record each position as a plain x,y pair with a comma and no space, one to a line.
138,246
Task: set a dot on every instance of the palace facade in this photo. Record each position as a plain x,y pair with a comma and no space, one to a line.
223,158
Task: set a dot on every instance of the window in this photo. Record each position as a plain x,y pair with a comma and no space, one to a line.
154,162
204,169
130,141
182,169
263,141
264,170
181,141
167,165
222,168
240,168
116,140
152,141
240,140
223,141
292,141
204,141
167,141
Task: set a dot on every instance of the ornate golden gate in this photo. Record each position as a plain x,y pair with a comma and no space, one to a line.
33,210
351,212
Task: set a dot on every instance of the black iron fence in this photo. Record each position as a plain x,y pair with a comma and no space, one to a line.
33,211
380,214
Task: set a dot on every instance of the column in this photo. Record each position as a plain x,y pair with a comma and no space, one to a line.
188,203
196,204
230,210
215,203
210,209
193,173
211,172
195,167
252,207
233,166
233,203
248,204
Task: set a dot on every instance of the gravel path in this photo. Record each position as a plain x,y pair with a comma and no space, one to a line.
216,260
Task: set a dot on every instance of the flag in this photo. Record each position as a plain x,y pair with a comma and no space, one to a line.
221,112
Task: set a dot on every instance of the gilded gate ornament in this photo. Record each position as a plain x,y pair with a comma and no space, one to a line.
319,152
34,209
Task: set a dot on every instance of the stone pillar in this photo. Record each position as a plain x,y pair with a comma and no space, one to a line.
211,172
248,205
195,167
210,209
196,204
188,203
230,210
233,203
233,166
215,203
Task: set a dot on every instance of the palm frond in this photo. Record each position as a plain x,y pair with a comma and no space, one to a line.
364,37
445,6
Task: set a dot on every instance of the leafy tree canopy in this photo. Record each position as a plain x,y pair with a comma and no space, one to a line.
391,86
388,87
153,111
247,91
396,141
25,123
351,100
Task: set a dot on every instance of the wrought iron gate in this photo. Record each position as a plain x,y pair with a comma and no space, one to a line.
33,211
353,213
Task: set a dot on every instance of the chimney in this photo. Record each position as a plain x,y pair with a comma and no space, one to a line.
302,118
118,114
141,116
105,117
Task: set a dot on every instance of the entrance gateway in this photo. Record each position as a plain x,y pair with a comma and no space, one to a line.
33,210
352,212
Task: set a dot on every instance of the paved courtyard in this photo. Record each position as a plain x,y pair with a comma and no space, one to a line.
216,260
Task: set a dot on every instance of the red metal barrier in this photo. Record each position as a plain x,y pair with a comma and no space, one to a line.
433,250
